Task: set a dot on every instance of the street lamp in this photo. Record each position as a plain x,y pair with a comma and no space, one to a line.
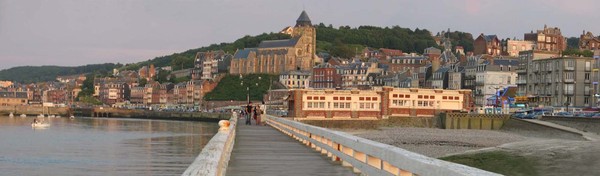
497,95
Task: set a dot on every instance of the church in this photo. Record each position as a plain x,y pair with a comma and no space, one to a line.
279,56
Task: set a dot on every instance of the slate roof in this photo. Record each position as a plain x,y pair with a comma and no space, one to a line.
410,57
512,62
489,38
242,54
297,72
278,43
303,17
442,70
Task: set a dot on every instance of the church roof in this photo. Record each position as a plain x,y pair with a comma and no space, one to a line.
278,43
242,54
303,20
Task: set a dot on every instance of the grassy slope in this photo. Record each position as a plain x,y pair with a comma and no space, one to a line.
499,162
229,88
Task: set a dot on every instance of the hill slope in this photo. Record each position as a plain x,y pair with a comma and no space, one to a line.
342,42
29,74
229,88
187,57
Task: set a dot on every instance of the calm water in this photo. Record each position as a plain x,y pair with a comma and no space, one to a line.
93,146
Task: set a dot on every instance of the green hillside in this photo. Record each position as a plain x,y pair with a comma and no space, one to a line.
342,42
29,74
230,87
346,41
186,58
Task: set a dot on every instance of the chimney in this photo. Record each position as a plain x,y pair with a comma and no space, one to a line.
463,59
435,62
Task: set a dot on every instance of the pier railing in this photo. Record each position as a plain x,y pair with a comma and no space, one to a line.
366,156
214,158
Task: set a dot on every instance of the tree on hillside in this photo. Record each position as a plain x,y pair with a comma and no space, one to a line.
162,75
573,42
87,91
576,52
181,62
143,82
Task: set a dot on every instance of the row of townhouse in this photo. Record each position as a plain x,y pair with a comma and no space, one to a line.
546,39
117,91
548,79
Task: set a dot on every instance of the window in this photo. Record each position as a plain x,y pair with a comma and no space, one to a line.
587,76
586,100
568,75
570,63
588,66
569,89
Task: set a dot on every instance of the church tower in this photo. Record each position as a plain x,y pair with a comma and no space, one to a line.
307,41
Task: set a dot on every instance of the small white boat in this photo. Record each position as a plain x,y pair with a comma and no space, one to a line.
51,116
41,115
23,115
40,125
11,115
72,117
57,116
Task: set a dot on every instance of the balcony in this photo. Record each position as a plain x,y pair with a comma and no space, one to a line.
521,71
569,68
587,81
568,92
521,81
479,83
569,80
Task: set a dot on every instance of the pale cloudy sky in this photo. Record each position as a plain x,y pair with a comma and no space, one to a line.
78,32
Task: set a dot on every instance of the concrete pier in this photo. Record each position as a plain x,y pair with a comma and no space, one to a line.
262,150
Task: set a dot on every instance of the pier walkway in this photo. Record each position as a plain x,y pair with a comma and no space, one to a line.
262,150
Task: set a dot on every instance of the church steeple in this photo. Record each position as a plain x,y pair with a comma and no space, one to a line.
303,20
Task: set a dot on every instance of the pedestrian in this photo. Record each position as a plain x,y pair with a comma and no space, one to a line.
256,120
248,113
263,110
258,112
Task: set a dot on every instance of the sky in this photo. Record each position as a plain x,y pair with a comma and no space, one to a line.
79,32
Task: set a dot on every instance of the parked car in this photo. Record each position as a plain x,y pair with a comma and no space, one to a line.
519,115
564,114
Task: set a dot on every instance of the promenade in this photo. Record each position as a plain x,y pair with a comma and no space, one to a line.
262,150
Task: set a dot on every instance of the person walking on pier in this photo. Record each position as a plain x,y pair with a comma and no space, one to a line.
248,113
257,115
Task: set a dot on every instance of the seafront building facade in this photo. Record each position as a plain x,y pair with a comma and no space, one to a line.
377,103
558,82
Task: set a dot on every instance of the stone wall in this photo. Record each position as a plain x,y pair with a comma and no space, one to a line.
419,122
472,121
146,114
580,123
34,110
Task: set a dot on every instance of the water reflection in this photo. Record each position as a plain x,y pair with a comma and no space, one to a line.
87,146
